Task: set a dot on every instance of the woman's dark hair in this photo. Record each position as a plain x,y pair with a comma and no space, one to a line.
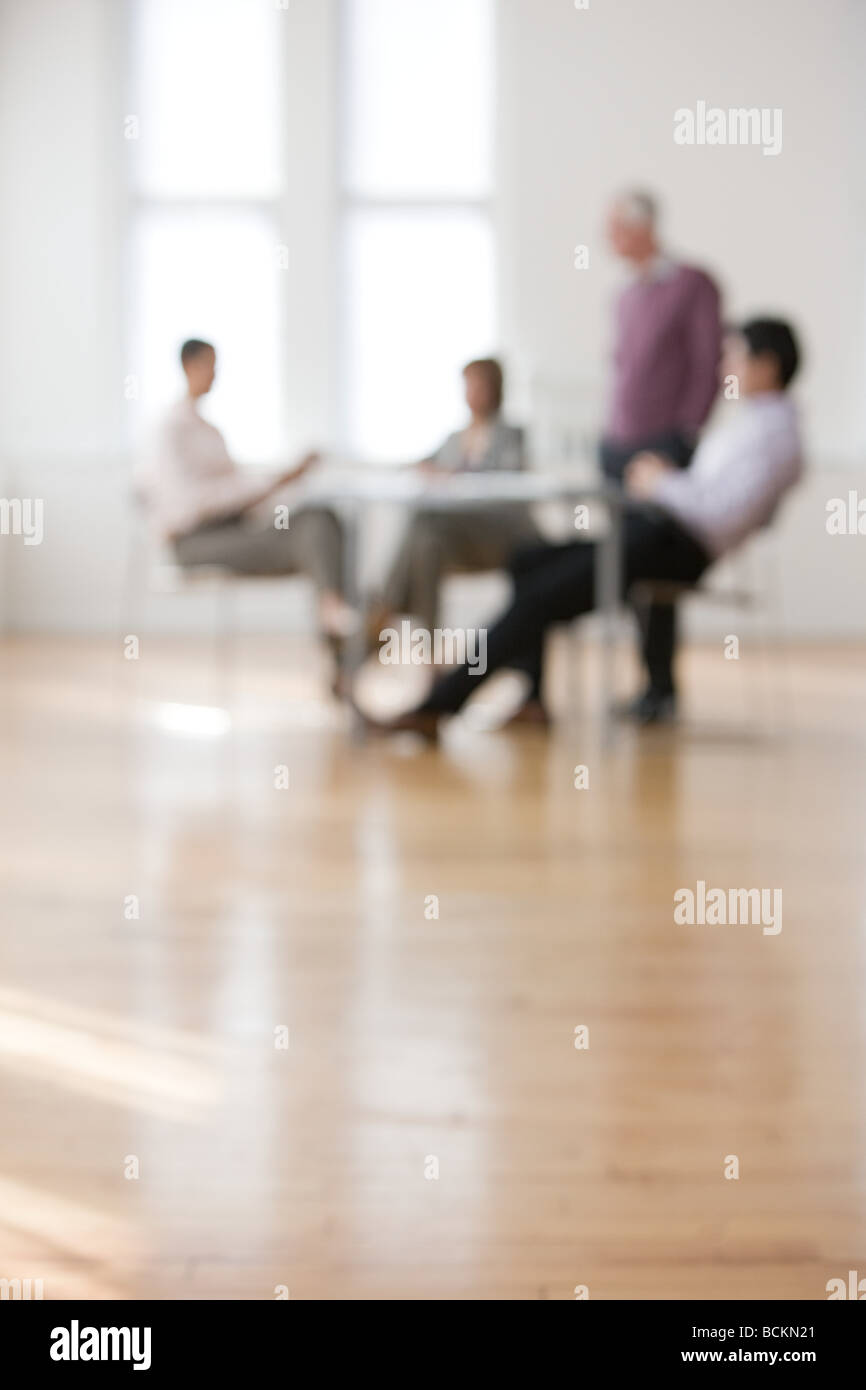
493,372
777,338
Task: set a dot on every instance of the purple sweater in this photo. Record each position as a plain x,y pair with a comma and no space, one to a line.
666,356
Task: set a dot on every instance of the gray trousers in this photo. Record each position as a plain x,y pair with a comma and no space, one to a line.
437,542
312,545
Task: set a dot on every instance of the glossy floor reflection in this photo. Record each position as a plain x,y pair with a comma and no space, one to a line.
171,909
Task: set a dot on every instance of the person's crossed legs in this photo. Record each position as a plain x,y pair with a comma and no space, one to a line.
657,621
557,583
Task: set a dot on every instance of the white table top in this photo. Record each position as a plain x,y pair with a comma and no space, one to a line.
412,487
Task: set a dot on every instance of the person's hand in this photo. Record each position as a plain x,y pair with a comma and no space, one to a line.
308,461
298,469
433,474
642,474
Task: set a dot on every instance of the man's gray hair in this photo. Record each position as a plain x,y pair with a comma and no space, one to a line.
637,206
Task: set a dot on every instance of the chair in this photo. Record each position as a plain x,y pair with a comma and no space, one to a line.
749,581
152,569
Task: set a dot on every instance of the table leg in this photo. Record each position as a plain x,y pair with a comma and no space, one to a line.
607,578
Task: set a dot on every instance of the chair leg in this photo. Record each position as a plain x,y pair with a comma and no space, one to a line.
754,686
574,672
608,556
129,610
782,689
354,648
225,638
776,690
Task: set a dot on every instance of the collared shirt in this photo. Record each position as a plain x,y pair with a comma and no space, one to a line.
661,267
738,475
189,477
495,445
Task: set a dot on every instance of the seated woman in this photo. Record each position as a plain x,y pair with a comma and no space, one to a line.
437,542
206,506
677,525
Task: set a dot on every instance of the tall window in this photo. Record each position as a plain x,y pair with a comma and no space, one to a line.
416,174
206,187
414,284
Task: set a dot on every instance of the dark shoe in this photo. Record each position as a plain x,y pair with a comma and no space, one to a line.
652,707
379,616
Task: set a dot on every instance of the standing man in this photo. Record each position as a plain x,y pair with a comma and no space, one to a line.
667,344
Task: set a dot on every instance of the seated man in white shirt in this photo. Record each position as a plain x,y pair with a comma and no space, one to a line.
678,523
210,510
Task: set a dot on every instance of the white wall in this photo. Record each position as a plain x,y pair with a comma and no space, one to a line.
586,101
587,107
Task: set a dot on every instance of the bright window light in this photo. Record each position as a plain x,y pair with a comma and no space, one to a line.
207,180
192,721
420,305
206,91
419,100
417,229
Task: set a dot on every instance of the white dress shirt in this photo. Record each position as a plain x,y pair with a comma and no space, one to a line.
189,477
738,474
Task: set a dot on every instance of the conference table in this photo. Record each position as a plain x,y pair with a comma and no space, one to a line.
353,494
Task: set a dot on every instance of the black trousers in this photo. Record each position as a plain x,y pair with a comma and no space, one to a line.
553,583
657,622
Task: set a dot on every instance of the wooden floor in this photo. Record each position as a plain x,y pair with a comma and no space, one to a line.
412,1038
